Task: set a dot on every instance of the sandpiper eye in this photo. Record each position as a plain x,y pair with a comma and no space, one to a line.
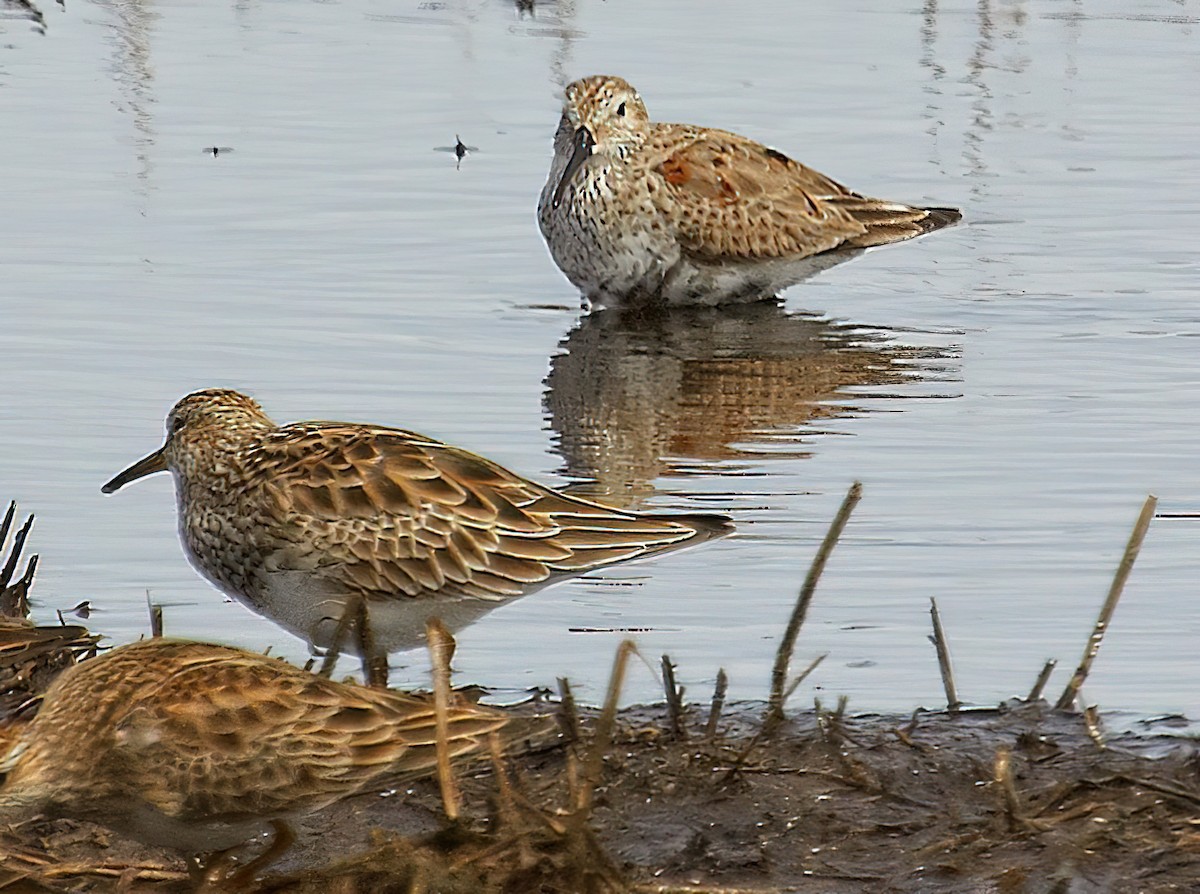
621,110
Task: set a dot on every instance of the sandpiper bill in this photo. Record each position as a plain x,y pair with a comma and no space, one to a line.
200,747
300,521
638,211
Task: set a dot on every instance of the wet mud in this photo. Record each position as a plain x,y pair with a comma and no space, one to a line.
1023,798
1017,799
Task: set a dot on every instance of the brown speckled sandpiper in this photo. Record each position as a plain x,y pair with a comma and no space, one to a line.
636,210
299,520
200,747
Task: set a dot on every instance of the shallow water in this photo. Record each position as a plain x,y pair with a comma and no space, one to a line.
1008,390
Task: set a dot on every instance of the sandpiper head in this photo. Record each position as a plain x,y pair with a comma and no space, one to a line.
201,414
603,115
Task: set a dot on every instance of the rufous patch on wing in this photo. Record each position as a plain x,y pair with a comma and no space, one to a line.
676,171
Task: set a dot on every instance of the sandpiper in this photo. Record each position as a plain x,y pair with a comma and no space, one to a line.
300,521
200,747
639,211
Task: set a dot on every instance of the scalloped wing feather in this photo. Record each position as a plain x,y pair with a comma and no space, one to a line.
411,515
233,734
730,197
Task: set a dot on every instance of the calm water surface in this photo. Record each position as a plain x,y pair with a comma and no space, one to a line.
1008,390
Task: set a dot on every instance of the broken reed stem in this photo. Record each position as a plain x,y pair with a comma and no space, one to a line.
374,662
5,527
767,728
831,724
334,650
812,666
1110,604
17,546
144,873
739,760
505,805
14,600
943,655
602,739
1091,721
1003,776
718,703
568,714
674,699
783,656
156,617
905,733
441,651
27,579
1042,679
568,724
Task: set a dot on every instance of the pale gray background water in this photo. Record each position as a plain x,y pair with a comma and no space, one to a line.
336,265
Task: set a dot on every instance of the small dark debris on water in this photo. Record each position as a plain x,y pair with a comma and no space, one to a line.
460,150
83,610
562,308
214,151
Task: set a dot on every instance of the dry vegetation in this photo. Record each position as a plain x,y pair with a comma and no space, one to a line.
1022,798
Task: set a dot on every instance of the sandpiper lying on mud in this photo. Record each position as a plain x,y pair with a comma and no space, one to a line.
200,747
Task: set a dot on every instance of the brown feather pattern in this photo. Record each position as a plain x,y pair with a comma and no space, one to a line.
200,733
382,513
690,214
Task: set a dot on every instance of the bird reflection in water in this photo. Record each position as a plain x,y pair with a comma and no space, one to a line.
639,394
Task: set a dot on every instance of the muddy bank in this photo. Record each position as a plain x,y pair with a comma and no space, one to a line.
1024,798
829,804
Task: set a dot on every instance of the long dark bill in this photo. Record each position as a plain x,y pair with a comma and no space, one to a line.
581,151
155,462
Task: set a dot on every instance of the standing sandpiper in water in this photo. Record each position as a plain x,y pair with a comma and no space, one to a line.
199,747
301,521
636,211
